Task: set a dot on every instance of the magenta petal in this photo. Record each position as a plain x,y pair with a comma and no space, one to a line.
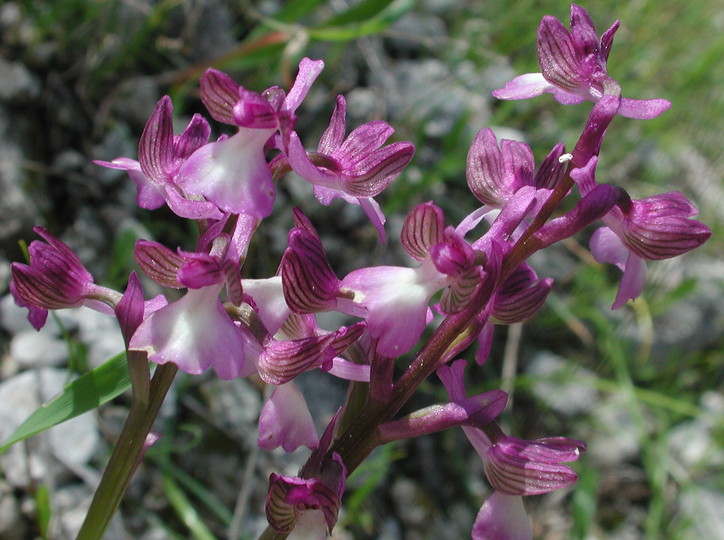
55,277
130,308
268,298
643,109
502,517
517,467
606,247
333,136
286,421
219,93
193,137
372,210
309,283
309,70
159,263
632,281
557,55
155,148
37,316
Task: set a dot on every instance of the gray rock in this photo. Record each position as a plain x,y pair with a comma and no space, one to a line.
564,387
615,438
235,405
101,335
19,210
12,524
17,85
72,442
31,349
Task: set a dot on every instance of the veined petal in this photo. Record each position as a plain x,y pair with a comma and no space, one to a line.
282,361
370,175
422,229
658,227
290,497
55,277
551,170
159,263
193,137
517,467
557,55
310,285
484,169
219,94
333,136
520,296
155,148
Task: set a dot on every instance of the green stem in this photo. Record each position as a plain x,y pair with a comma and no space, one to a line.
126,456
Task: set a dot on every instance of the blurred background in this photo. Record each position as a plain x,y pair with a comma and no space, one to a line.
642,385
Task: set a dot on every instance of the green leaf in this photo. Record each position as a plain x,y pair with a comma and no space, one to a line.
185,510
354,28
43,510
84,394
293,11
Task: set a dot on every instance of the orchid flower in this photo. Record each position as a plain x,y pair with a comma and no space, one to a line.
233,172
194,332
355,169
56,279
160,156
393,300
636,230
514,467
573,67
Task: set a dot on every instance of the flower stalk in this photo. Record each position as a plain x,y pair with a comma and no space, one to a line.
126,456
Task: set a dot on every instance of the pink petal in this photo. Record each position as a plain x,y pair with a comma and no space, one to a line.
286,421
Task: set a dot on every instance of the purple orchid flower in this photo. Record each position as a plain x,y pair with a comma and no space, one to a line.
194,332
308,507
355,169
233,172
56,279
393,300
573,67
495,173
160,156
654,228
514,467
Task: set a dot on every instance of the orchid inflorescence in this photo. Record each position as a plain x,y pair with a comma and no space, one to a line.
461,284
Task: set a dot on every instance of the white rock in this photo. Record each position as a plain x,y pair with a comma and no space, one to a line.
72,442
32,349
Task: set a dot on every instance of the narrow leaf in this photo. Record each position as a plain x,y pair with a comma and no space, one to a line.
83,394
